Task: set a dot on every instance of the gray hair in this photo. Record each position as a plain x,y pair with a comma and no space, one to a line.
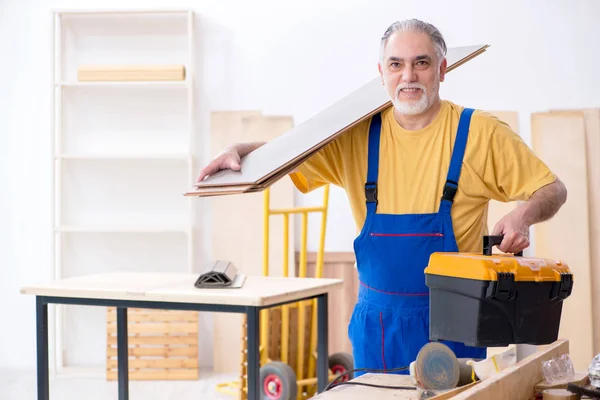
415,25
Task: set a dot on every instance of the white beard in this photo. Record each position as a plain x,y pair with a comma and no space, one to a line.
411,107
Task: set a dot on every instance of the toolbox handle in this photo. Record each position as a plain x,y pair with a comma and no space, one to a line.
490,241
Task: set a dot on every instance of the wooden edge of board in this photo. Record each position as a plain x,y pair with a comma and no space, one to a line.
517,381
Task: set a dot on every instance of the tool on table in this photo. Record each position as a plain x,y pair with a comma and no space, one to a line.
436,367
220,274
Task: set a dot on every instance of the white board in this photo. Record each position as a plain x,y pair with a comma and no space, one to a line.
316,132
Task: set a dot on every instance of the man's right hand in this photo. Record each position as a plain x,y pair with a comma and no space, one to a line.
229,158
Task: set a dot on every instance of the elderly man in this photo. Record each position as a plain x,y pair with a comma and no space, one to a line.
419,176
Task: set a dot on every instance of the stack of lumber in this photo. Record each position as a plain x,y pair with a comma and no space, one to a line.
264,166
569,142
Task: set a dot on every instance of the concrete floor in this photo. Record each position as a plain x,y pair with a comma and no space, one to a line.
21,385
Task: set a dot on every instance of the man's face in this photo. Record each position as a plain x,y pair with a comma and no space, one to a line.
410,72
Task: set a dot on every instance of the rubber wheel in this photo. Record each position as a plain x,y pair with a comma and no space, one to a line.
278,381
339,363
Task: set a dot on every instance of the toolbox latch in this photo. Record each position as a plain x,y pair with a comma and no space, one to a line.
505,286
563,288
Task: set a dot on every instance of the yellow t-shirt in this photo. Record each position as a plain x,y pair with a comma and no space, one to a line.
413,167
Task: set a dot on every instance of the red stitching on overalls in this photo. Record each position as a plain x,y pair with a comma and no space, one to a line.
394,293
382,340
407,234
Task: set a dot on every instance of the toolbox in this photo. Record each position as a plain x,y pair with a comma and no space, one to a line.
494,300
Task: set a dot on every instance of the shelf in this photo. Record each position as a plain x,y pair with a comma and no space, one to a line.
106,119
132,192
159,228
116,12
100,39
125,84
123,154
125,157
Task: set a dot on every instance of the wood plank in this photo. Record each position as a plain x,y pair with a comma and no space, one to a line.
149,363
592,137
592,140
342,300
352,392
115,73
155,340
179,287
308,137
516,382
155,375
566,236
245,216
157,327
149,316
158,351
145,349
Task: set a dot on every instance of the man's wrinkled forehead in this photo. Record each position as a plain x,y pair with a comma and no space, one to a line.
409,46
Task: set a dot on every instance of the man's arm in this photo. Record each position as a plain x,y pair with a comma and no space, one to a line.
229,158
541,206
544,203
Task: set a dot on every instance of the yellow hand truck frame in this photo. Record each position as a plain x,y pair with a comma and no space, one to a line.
286,374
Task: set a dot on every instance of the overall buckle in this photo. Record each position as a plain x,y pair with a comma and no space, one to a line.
371,192
450,189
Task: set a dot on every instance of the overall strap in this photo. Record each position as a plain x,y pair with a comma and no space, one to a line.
373,164
451,186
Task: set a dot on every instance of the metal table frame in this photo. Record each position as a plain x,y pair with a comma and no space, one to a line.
252,312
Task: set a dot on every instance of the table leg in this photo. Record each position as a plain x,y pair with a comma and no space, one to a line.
122,353
253,368
322,345
43,378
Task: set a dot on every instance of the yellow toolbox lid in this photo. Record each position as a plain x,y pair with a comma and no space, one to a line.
487,267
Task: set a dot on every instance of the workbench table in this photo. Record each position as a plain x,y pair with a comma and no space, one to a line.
516,382
177,292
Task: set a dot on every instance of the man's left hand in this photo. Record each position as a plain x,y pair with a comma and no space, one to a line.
515,231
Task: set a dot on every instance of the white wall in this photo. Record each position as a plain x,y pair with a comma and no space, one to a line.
283,58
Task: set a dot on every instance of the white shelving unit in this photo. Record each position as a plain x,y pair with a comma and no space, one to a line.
123,154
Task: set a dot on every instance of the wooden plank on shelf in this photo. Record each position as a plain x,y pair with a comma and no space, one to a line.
277,156
162,344
123,73
244,216
559,140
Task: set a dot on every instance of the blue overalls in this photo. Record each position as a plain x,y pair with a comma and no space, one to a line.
390,322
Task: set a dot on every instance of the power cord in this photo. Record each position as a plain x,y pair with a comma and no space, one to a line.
333,382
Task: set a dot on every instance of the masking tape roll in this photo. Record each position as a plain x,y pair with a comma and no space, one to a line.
560,394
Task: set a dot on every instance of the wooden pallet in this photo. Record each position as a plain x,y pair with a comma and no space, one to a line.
163,344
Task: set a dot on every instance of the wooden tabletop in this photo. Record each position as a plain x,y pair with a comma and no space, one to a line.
256,291
517,381
388,392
